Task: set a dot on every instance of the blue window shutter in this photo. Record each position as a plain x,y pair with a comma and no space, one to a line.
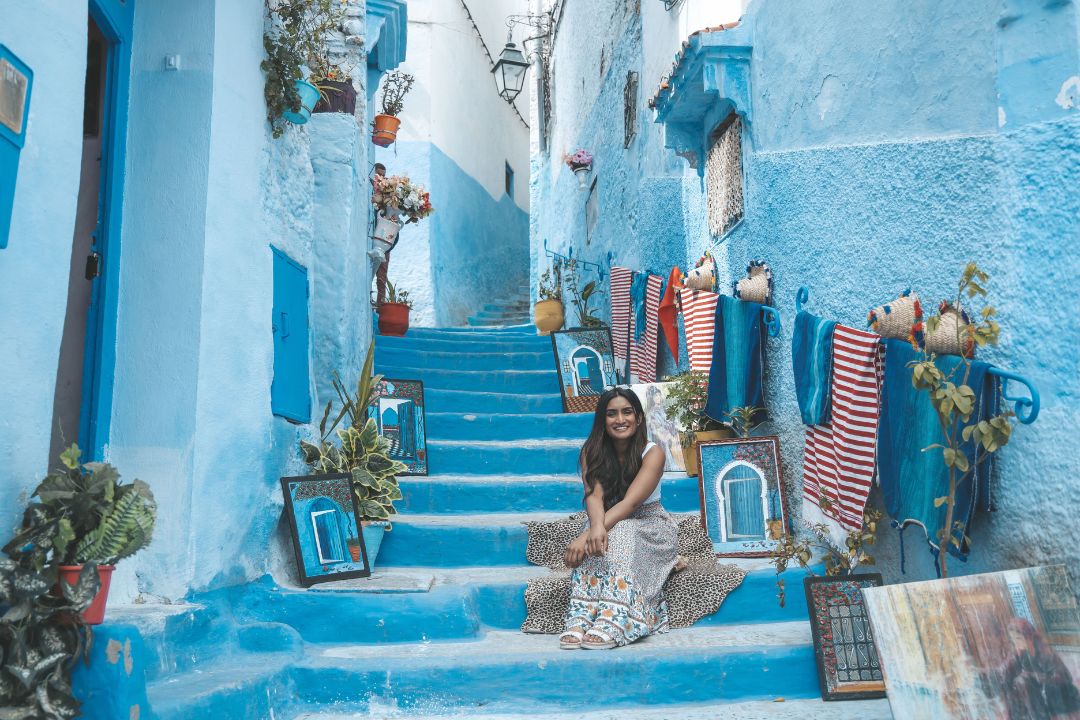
289,395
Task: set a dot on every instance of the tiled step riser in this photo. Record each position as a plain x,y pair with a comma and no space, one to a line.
474,426
389,358
463,401
567,681
503,459
499,381
433,496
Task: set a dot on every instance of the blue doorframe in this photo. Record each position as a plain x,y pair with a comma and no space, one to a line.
115,20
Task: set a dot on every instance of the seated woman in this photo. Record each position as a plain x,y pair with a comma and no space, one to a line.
629,545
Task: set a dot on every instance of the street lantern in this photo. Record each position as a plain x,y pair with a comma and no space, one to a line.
510,72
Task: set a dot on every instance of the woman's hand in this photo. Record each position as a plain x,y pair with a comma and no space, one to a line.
596,541
575,554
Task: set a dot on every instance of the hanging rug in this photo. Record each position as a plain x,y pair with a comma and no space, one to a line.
691,593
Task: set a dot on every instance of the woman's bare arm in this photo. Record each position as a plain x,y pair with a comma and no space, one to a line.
648,477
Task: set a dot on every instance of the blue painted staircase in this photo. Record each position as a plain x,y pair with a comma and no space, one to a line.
513,311
434,632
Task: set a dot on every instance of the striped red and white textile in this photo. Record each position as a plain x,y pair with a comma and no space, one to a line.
699,324
840,458
620,313
643,353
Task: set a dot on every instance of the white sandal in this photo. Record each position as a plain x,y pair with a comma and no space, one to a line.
571,640
605,641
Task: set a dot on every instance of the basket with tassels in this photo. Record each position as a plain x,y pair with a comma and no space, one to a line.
757,286
901,319
953,334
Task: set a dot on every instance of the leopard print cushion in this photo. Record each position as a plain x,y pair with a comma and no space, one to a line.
691,594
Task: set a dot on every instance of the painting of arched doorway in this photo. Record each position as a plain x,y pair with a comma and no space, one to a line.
586,366
398,411
585,363
327,536
743,497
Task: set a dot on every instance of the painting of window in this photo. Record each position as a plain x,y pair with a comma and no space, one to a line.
398,410
742,495
326,533
585,362
847,659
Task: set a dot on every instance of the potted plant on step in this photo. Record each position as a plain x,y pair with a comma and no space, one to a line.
87,518
361,452
580,163
396,86
294,43
685,403
394,312
548,310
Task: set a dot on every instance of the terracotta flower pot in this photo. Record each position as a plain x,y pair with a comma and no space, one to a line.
548,316
95,613
393,318
690,452
385,132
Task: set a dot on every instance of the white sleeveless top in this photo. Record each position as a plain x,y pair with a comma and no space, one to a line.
655,497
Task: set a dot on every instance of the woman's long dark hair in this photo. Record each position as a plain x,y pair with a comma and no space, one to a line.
599,456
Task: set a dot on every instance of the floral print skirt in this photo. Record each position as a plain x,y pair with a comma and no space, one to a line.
621,593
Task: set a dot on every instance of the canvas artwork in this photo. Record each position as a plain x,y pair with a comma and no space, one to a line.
326,534
847,661
399,412
742,501
1001,645
586,366
662,431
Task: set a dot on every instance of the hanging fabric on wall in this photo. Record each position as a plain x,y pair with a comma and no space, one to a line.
811,361
736,377
639,288
621,279
910,478
699,324
840,457
668,310
643,347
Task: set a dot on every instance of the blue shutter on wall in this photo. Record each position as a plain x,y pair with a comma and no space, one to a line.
289,396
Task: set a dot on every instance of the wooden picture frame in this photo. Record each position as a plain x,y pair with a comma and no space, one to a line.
327,535
747,470
851,671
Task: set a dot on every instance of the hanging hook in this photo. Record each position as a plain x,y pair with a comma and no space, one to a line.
1026,408
802,295
772,320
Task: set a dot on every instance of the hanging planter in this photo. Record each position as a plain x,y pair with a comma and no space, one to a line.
336,96
395,87
309,97
384,130
580,162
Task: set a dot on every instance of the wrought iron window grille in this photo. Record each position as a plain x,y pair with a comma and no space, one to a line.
630,93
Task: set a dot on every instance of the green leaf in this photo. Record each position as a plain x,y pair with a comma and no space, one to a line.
962,462
369,436
70,457
371,510
362,477
950,456
310,452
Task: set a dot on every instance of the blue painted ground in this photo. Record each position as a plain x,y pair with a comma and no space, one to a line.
435,630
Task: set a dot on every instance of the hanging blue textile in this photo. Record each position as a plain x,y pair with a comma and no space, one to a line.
910,478
811,360
738,362
638,288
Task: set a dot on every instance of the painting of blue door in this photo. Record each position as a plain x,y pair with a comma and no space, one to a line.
398,410
326,532
742,501
586,365
588,379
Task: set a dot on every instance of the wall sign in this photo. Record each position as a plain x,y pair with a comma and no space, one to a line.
16,82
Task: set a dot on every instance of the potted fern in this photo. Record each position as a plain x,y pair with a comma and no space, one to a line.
88,519
361,452
395,87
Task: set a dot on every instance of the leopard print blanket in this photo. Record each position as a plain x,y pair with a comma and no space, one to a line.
691,593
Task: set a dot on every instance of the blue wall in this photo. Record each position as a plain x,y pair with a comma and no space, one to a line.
877,158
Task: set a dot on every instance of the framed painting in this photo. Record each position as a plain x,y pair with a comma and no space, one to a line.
662,431
398,410
847,660
326,531
997,645
586,366
742,497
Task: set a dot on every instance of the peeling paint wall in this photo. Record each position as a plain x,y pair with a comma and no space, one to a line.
886,146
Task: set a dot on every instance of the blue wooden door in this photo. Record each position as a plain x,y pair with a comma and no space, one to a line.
289,394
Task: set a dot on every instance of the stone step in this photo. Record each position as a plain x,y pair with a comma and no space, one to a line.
507,671
502,312
502,457
471,494
503,321
389,358
467,401
501,381
449,332
778,709
507,426
508,305
469,342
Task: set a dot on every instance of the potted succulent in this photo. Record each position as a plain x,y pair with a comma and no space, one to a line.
294,43
87,518
394,312
363,453
580,162
548,310
686,399
396,86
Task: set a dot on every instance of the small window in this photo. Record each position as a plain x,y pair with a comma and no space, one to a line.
630,93
592,212
724,176
289,396
509,181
